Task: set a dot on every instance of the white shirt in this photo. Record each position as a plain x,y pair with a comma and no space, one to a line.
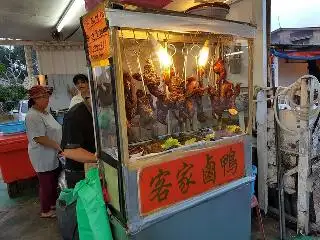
38,124
75,100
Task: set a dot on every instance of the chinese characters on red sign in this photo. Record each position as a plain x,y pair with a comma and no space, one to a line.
172,182
97,34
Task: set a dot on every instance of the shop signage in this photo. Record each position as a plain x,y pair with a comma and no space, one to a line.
97,34
172,182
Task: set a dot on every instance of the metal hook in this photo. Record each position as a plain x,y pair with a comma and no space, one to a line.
167,37
191,50
174,47
192,40
185,50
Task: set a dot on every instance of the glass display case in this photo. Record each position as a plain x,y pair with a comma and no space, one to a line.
172,100
182,90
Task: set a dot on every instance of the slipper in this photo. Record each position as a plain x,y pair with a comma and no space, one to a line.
52,215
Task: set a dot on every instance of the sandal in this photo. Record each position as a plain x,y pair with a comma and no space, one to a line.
50,214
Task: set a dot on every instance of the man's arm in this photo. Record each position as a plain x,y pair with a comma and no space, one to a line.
80,155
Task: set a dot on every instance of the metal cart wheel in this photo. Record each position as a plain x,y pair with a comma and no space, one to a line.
13,189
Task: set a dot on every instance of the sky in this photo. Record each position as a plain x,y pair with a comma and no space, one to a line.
295,13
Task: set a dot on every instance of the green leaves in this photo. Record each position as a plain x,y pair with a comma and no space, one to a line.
13,93
2,68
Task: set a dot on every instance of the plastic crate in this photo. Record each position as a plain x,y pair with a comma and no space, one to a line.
12,128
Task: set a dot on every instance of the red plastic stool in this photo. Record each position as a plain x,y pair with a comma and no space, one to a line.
255,204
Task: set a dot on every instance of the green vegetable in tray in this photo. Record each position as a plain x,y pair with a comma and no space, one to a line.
170,143
209,137
190,141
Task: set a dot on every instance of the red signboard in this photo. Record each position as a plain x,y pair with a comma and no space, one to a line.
172,182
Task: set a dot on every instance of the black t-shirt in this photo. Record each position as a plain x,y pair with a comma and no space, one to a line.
78,132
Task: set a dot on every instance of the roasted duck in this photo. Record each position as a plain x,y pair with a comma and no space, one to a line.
144,107
130,97
151,80
224,93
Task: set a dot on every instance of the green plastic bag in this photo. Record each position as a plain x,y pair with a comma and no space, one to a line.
66,215
93,220
67,196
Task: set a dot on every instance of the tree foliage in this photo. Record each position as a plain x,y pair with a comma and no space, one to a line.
12,64
12,93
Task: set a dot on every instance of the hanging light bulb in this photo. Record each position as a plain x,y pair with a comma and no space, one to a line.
204,55
164,57
233,111
162,53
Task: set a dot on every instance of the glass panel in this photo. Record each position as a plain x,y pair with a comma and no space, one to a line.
182,93
111,177
105,110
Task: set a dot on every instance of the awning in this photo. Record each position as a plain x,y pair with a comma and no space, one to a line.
306,55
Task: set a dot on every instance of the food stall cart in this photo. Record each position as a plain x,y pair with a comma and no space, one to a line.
167,100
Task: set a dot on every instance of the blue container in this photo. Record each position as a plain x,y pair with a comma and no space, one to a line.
254,175
12,127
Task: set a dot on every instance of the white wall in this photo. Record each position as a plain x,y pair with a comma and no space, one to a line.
255,12
60,64
65,61
241,11
290,72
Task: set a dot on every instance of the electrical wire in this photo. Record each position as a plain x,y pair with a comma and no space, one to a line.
299,111
71,34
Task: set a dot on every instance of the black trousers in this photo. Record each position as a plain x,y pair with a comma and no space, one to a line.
73,177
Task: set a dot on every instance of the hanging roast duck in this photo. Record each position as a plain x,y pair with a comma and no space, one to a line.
223,93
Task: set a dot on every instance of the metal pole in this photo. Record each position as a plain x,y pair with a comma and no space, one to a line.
277,130
304,162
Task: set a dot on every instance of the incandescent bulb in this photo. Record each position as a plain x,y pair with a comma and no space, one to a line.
233,111
204,55
164,57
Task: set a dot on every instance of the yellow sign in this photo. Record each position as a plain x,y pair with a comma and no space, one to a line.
97,35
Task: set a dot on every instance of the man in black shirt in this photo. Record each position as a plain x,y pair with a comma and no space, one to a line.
78,141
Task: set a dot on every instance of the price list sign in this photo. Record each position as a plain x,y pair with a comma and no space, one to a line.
97,35
171,182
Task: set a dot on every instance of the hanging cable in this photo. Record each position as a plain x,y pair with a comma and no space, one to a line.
298,110
71,34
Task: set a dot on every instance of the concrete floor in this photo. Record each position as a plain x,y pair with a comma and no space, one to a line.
19,219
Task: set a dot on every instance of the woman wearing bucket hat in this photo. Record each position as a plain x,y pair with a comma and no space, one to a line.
44,136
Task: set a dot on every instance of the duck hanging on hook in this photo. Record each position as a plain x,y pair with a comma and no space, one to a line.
223,92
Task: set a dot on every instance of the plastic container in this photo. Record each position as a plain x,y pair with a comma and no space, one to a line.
15,164
254,175
12,128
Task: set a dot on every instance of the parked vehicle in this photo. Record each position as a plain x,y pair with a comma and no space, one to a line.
21,110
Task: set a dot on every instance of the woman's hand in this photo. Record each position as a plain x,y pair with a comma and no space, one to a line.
61,154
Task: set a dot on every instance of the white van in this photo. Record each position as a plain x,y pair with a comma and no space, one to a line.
21,110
